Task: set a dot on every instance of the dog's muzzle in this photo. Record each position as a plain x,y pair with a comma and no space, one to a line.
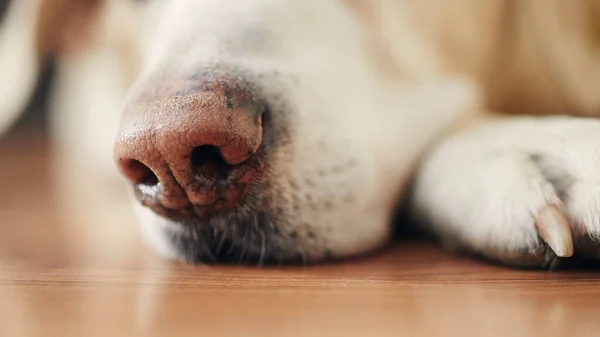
190,147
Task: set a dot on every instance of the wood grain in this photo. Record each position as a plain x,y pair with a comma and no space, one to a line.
75,266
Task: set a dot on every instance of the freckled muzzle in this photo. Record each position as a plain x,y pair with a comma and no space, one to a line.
192,148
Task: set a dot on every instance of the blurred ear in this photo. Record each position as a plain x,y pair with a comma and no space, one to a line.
62,25
18,59
31,32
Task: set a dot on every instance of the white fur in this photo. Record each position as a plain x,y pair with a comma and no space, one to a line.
90,88
384,127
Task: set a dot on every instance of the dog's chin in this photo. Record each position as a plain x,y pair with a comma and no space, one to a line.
232,238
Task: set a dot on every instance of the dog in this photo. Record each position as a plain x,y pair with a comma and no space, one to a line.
288,131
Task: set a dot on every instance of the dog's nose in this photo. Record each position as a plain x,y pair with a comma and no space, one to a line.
190,149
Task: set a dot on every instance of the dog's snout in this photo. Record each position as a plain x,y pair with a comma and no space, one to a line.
190,149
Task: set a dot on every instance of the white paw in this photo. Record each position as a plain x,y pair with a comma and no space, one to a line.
523,191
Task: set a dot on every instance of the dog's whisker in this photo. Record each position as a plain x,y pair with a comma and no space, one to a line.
263,248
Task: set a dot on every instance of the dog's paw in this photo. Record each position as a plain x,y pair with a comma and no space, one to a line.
525,192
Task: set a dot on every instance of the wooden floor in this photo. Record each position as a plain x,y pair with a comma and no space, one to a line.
73,265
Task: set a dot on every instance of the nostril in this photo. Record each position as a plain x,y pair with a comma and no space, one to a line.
208,156
138,173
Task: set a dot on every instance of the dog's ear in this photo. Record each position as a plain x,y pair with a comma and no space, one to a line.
31,33
62,25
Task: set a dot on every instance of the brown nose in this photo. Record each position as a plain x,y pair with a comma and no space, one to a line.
189,148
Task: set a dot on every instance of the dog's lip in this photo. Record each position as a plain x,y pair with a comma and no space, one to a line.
190,215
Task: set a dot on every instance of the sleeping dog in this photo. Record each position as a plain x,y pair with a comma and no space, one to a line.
288,131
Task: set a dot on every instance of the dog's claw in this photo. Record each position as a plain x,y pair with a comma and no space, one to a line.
553,227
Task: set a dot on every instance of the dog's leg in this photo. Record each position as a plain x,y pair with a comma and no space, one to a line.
522,191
